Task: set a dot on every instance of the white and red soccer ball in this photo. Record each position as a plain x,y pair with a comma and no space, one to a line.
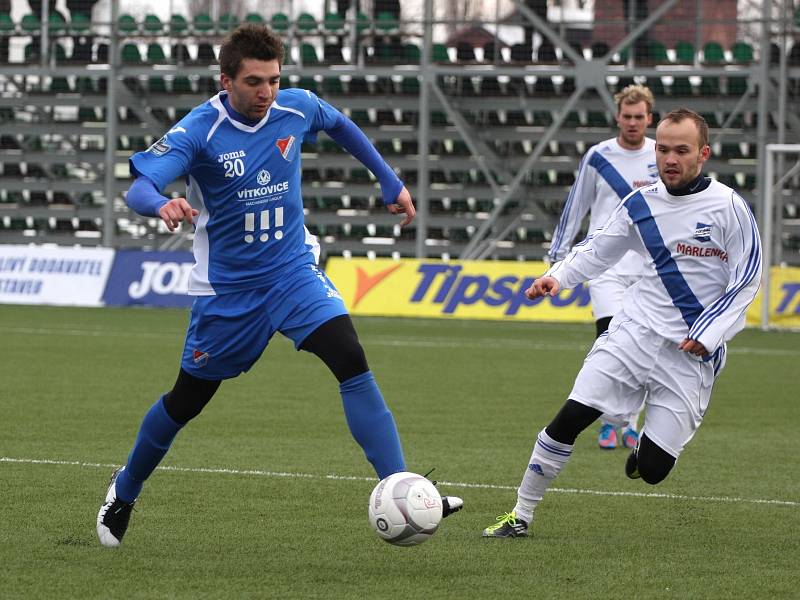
405,509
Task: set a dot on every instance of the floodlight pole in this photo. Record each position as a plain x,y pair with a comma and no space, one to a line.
423,142
111,129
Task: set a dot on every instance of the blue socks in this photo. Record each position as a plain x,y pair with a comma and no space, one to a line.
154,439
372,424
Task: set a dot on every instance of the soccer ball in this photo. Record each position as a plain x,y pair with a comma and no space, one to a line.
405,509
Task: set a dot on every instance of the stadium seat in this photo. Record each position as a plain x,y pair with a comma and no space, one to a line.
794,55
684,53
465,52
546,54
333,24
6,24
126,24
205,53
655,53
56,23
155,54
386,24
152,25
742,53
179,54
228,22
656,86
178,25
202,23
80,24
279,23
306,24
308,54
521,53
599,49
439,53
29,24
332,54
254,17
713,54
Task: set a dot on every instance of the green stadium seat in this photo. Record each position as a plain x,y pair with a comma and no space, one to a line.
742,53
228,22
182,85
412,54
308,54
6,23
156,85
127,24
713,54
656,53
178,25
362,23
279,22
155,54
254,17
684,53
439,53
333,24
152,25
79,23
681,86
29,23
386,23
202,23
56,23
130,54
306,24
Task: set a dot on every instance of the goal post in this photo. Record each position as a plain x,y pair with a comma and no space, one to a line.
771,228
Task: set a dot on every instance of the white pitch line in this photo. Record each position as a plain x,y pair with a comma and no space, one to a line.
458,484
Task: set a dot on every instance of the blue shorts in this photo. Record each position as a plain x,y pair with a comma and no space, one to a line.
228,333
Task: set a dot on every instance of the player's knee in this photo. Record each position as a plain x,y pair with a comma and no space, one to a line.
573,418
353,360
654,462
188,397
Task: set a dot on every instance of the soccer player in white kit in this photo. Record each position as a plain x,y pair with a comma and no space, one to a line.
666,346
608,172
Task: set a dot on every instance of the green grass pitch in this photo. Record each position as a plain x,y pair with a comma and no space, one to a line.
265,494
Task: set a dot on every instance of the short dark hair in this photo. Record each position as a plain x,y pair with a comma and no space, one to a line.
681,114
250,40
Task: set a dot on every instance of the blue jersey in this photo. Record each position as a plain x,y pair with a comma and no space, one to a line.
246,182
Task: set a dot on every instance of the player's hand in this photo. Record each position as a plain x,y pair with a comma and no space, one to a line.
403,205
543,286
175,211
693,347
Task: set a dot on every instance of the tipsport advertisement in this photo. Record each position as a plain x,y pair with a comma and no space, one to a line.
464,289
496,290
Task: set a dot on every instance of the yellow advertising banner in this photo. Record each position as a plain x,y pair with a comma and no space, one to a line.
462,289
495,290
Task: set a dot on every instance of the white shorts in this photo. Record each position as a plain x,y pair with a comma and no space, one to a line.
606,293
631,365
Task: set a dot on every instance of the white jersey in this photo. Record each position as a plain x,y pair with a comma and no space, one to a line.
703,261
607,173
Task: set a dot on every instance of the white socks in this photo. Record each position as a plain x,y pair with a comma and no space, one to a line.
547,460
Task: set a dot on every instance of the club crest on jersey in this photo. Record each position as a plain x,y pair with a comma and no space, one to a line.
263,177
200,358
160,147
702,232
285,146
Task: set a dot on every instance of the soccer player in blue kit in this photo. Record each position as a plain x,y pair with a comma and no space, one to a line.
255,269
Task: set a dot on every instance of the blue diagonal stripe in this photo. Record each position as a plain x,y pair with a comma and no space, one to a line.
611,175
682,295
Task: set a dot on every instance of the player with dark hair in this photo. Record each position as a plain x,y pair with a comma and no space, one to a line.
666,347
255,269
608,172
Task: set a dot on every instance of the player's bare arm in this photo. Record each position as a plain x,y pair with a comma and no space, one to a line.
543,286
403,205
693,347
177,210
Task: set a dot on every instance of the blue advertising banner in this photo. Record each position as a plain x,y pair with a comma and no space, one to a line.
149,278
